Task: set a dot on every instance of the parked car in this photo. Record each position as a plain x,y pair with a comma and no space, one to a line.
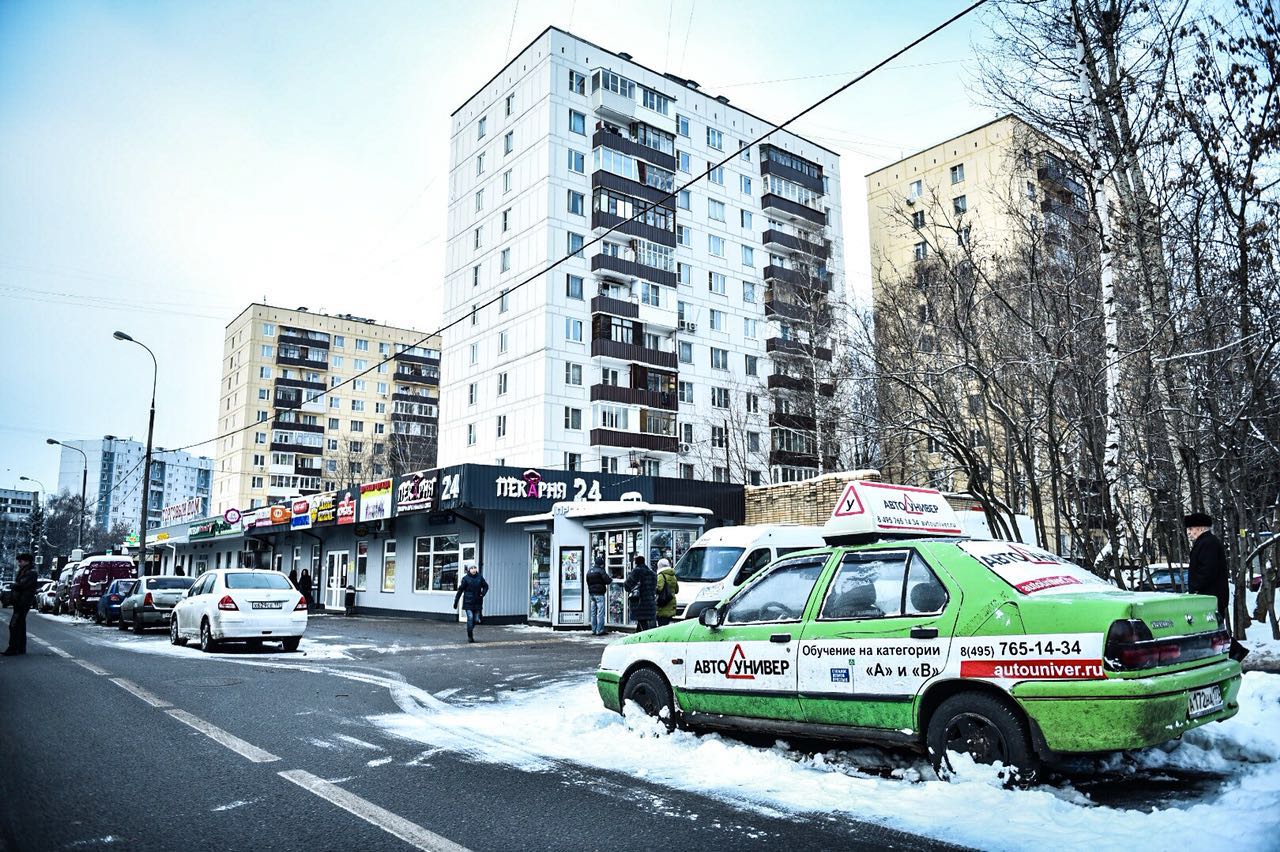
109,603
92,578
1164,577
903,631
724,558
46,597
240,604
62,593
151,601
6,593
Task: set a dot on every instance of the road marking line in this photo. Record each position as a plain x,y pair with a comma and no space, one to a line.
244,749
54,648
139,692
90,666
411,833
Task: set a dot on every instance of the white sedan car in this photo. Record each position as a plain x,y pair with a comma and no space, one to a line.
242,605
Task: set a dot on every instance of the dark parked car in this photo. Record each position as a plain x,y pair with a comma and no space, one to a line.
1165,578
109,603
151,601
6,593
92,579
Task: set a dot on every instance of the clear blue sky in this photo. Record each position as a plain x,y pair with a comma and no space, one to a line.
165,163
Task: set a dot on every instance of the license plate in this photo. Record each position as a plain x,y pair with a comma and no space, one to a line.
1202,702
264,604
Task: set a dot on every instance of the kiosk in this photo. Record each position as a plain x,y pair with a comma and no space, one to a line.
566,541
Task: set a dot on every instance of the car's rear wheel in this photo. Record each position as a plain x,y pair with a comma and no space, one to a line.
986,729
207,642
290,643
175,638
97,618
121,624
138,626
650,691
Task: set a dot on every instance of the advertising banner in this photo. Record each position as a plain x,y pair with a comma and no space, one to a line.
324,508
416,491
375,500
187,510
301,514
347,508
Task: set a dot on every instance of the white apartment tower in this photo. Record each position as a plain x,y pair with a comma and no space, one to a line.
661,350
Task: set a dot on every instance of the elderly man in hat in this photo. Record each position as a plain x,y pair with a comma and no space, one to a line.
1207,570
24,597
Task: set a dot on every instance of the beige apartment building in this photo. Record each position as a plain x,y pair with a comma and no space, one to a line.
287,370
977,195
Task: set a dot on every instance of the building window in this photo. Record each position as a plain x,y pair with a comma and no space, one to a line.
471,434
716,283
753,404
504,265
749,292
573,330
685,392
479,200
717,320
715,210
474,353
715,245
502,343
719,438
715,174
478,237
574,243
508,142
917,189
577,162
573,461
506,181
959,205
264,393
435,563
682,162
573,286
573,374
475,276
917,219
506,220
684,236
684,275
719,359
749,329
921,250
650,294
480,126
256,482
957,173
576,200
268,351
577,83
471,394
388,565
682,125
480,164
683,199
264,372
577,123
686,352
1031,190
572,418
748,256
715,139
745,220
752,365
655,101
744,184
502,425
268,329
719,397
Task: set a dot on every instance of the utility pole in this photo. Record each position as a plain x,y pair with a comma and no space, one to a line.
146,464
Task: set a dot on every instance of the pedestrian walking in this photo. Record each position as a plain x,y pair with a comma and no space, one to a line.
304,586
668,587
598,582
471,591
293,577
1207,571
642,592
24,597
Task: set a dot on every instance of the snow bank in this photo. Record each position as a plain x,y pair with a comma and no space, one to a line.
567,724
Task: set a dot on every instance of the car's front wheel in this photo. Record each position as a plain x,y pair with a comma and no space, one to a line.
175,638
650,692
207,642
986,729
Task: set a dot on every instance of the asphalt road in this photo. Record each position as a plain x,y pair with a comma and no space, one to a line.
106,745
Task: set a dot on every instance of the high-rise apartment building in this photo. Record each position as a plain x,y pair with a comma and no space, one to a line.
285,370
663,349
15,512
986,194
113,487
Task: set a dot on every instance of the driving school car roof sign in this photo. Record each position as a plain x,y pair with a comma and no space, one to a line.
880,507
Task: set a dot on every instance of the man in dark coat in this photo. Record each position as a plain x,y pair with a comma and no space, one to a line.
1207,569
642,589
598,582
304,586
471,591
24,597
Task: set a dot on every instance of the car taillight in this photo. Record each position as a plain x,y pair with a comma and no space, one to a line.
301,605
146,600
115,597
1221,642
227,603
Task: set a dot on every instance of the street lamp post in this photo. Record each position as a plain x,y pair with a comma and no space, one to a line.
146,464
35,544
84,483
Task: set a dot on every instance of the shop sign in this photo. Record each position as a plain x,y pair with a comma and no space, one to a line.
178,513
209,528
347,508
375,500
324,508
300,514
532,485
277,513
416,491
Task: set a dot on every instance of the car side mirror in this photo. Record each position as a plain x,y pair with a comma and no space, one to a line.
711,617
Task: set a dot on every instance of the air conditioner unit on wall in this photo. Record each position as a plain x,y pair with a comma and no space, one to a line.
685,448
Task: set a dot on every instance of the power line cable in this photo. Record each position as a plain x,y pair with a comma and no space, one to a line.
637,215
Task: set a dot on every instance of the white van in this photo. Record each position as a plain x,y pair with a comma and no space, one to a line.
726,557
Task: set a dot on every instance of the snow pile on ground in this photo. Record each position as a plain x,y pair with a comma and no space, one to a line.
565,724
1264,652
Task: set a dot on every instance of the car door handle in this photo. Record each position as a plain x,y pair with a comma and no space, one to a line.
924,633
780,638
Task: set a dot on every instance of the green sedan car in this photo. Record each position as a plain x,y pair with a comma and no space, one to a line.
937,642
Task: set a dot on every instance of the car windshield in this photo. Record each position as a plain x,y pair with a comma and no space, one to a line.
257,581
707,564
158,583
125,587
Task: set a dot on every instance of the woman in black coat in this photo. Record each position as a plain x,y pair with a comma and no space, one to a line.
642,589
471,591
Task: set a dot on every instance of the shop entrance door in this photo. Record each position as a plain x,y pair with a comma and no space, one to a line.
336,571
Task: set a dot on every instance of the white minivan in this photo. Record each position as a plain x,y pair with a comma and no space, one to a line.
726,557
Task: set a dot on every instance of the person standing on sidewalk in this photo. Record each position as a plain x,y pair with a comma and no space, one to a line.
471,591
304,586
598,582
642,591
24,597
668,587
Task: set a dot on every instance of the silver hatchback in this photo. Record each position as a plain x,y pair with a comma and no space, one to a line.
151,602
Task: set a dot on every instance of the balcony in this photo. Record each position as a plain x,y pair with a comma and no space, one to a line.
786,310
300,427
300,384
1066,212
286,338
617,307
1056,173
283,447
410,375
634,441
287,401
635,189
601,220
794,348
413,358
793,459
413,397
792,210
618,142
782,381
625,270
771,167
776,239
306,363
604,348
414,418
634,396
794,422
614,106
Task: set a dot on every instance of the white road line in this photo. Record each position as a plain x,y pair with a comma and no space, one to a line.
84,664
131,687
244,749
411,833
54,648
